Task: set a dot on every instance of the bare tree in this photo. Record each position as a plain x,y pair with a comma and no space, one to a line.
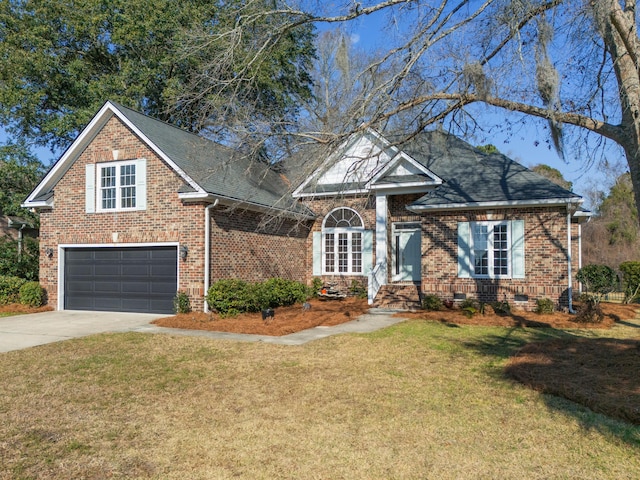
572,65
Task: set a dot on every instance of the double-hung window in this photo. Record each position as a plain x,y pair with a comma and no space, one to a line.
116,186
342,242
491,249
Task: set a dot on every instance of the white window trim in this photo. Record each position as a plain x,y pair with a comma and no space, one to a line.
336,232
349,231
490,249
118,187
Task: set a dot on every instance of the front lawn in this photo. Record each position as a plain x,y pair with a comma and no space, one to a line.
419,400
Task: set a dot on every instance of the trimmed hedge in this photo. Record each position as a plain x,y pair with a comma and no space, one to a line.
233,296
32,294
630,280
10,289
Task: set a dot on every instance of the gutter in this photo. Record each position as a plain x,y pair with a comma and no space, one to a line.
207,250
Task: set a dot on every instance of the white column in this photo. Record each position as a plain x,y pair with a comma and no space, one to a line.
381,234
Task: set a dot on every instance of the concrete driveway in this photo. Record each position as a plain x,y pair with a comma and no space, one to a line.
23,331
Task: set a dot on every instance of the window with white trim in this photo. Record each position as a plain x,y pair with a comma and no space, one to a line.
490,249
117,186
342,242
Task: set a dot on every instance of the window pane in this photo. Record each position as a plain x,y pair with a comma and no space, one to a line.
343,253
329,255
500,250
108,187
127,191
356,252
128,197
480,249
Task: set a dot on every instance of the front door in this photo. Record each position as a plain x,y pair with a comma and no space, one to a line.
406,252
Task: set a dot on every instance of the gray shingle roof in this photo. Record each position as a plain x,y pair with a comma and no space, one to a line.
471,176
217,169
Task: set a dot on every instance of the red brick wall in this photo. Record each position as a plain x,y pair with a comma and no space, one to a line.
366,208
546,270
244,246
240,251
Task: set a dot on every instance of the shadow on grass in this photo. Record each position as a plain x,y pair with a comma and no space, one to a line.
598,373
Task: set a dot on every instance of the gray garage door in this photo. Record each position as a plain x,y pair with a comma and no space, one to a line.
122,279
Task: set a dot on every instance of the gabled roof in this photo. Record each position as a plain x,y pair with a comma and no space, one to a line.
451,173
209,170
363,163
476,179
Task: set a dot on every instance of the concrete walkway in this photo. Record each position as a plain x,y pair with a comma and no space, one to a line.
24,331
370,322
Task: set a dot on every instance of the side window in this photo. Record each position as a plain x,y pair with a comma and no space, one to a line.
491,249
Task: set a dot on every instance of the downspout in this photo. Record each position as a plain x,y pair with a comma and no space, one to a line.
569,270
207,250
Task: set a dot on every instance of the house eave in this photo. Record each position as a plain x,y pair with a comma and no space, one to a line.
484,205
242,204
358,191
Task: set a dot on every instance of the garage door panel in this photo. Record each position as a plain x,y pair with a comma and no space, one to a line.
131,279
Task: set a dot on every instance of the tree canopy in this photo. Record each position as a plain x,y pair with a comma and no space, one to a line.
573,66
20,172
62,60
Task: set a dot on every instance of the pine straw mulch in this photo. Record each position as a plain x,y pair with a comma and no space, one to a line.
600,373
286,320
613,313
18,308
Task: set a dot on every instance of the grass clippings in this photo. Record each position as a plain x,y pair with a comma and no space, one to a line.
287,320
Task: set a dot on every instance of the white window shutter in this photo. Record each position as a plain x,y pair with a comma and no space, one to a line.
90,188
141,184
367,252
464,250
517,249
317,253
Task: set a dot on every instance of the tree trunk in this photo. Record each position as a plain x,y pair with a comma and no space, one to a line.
619,33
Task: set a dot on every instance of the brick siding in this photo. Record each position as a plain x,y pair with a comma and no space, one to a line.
237,250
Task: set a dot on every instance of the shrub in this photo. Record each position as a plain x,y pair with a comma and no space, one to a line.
544,306
358,289
316,286
181,303
630,280
470,306
10,289
32,294
432,303
278,292
501,308
590,310
231,297
598,280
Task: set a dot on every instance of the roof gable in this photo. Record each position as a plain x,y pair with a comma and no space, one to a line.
209,170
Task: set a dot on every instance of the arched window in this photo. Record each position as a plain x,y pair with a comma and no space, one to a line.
342,242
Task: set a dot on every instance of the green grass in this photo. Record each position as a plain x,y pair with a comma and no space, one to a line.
419,400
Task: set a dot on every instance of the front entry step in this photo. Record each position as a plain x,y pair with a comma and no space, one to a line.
399,296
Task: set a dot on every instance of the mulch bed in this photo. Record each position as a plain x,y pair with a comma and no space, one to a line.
613,313
286,320
600,373
19,308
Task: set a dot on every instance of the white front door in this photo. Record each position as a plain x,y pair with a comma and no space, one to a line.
406,252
